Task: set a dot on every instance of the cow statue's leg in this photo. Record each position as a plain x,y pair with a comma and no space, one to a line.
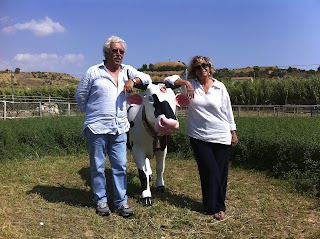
160,166
145,172
149,170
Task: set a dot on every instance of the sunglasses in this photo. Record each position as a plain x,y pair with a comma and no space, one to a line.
203,65
118,51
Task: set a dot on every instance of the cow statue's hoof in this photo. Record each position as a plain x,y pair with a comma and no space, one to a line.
146,201
161,189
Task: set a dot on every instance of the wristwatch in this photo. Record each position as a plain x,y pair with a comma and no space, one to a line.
134,81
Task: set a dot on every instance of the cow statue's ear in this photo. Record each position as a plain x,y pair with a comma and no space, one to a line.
141,86
135,99
182,100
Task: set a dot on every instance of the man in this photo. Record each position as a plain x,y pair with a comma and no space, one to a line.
102,94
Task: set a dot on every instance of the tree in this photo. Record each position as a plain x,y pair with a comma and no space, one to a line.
17,70
144,67
151,67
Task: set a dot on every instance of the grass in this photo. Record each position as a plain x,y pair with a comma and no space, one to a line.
50,198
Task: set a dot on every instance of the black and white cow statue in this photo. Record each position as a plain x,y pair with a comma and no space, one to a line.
152,118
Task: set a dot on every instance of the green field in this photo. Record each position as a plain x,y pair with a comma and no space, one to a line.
50,198
273,189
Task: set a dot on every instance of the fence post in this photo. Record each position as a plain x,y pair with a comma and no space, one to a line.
4,110
40,111
69,109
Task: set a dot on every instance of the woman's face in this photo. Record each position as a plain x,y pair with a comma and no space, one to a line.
201,69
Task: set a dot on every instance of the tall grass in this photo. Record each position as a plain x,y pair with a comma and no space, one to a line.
34,137
287,148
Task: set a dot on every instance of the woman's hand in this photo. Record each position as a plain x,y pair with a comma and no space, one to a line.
234,138
190,90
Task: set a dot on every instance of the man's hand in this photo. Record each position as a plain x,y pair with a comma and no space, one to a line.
128,87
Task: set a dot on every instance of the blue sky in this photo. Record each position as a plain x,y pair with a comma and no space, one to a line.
67,35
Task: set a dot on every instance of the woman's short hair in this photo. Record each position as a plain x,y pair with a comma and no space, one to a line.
107,44
195,61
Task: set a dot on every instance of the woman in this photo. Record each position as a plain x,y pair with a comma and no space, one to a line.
212,130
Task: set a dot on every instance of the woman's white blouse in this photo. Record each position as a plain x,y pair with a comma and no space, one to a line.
210,116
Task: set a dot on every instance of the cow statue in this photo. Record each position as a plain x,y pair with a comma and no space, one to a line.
152,118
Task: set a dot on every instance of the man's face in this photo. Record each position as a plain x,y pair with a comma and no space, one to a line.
116,53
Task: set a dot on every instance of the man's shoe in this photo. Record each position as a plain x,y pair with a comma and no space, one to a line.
102,209
125,210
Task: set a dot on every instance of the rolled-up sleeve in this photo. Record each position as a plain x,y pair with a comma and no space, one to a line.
171,79
145,78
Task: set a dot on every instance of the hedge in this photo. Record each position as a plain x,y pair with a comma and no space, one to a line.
286,148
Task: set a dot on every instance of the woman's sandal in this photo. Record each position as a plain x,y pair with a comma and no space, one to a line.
219,215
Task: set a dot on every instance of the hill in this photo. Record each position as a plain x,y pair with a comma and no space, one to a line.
251,69
169,63
30,79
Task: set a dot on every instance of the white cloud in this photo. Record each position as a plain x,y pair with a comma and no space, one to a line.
43,27
73,58
4,19
35,58
44,62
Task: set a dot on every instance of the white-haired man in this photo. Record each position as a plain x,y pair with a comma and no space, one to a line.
102,94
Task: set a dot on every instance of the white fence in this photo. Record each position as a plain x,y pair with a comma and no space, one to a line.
269,110
32,106
24,107
276,110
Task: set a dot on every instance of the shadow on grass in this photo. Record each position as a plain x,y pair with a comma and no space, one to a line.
181,201
79,197
57,194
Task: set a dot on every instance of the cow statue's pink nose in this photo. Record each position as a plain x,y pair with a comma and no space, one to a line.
166,126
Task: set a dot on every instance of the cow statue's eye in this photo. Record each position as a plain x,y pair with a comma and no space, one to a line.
150,99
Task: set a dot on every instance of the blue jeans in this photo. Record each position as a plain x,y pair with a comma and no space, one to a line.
115,146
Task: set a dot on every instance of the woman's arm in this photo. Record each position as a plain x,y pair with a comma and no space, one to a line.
187,88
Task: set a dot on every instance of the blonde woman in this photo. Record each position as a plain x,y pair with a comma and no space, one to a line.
211,129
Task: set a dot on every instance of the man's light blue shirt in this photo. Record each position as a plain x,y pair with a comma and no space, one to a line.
103,101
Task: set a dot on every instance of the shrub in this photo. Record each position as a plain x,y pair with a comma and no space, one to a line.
36,137
286,148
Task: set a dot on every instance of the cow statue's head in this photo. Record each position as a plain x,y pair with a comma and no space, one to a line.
159,102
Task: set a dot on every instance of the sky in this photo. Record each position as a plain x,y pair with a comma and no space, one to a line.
67,35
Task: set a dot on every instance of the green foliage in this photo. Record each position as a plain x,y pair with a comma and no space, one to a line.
31,138
144,67
43,91
178,144
162,68
286,148
275,92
